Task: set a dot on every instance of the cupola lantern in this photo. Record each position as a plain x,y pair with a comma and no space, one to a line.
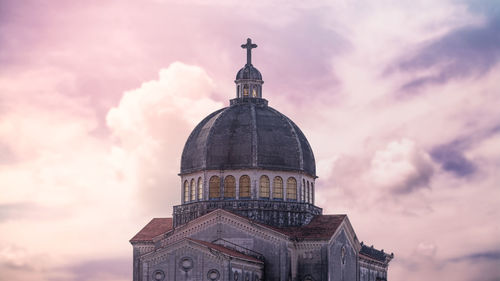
249,80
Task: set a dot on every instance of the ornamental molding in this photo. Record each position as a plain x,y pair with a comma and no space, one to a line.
310,245
221,216
185,248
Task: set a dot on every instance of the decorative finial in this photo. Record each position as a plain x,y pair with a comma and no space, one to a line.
249,46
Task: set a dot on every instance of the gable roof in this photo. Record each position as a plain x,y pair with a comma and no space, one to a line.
321,227
154,228
225,250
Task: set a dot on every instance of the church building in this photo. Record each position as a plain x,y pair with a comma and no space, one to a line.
247,211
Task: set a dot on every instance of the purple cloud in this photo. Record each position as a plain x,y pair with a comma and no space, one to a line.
493,255
467,51
453,160
451,155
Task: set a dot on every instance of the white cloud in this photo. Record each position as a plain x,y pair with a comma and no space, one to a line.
150,126
401,167
426,249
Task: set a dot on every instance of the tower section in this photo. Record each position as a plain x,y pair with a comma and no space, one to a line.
249,159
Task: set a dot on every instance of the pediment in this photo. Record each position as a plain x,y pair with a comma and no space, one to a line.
346,227
221,217
189,245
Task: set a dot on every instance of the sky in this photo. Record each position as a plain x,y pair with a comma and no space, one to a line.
400,101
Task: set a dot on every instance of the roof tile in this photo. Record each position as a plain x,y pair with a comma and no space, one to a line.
154,228
320,227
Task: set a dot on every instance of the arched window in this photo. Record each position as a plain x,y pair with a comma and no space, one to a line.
245,186
291,188
186,191
200,189
193,190
229,187
214,187
246,90
308,193
264,187
303,193
278,188
257,91
312,192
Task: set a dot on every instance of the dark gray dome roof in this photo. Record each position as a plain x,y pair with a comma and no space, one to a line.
249,72
247,135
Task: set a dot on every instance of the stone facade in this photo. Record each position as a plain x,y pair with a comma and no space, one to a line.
180,261
325,249
373,264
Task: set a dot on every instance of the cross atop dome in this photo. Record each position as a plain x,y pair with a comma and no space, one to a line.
248,79
249,46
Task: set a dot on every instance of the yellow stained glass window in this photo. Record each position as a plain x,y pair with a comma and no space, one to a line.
264,187
245,91
308,193
278,188
245,186
214,187
193,190
312,192
303,193
291,188
229,187
200,189
186,191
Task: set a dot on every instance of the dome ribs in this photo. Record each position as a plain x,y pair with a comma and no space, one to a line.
196,142
255,153
247,136
299,147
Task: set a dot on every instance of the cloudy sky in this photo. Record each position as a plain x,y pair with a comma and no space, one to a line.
400,101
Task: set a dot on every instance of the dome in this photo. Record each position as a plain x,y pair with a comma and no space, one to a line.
249,72
247,135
